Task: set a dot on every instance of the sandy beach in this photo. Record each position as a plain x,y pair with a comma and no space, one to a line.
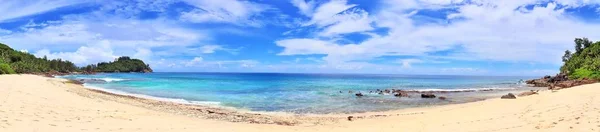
30,103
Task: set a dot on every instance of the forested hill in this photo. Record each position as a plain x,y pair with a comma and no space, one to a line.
13,61
121,64
584,62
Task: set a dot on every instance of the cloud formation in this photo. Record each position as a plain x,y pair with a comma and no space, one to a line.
384,36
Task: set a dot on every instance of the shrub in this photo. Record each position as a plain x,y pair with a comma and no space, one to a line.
5,69
584,73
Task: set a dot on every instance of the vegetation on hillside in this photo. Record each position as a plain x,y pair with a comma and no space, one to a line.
584,62
121,64
13,61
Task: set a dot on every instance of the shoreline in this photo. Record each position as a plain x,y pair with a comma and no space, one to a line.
23,98
450,97
410,97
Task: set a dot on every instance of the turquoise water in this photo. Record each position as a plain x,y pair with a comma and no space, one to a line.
298,93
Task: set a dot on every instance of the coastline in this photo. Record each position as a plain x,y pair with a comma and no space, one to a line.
326,100
410,118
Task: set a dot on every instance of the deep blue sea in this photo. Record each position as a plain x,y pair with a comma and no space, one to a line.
300,93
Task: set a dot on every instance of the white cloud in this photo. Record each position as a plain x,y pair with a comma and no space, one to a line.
306,8
12,9
481,31
334,17
224,11
194,61
91,54
407,63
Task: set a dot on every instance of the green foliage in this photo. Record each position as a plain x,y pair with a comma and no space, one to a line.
22,62
585,62
121,64
584,73
5,69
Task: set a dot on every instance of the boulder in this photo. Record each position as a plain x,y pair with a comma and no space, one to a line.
542,82
528,93
427,95
359,94
401,94
509,96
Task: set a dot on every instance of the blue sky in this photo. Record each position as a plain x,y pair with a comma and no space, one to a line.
458,37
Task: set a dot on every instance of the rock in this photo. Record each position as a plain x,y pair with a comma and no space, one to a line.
427,95
401,94
387,91
359,94
442,98
528,93
350,118
571,83
508,96
542,82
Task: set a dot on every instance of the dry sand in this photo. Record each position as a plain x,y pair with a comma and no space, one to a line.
33,103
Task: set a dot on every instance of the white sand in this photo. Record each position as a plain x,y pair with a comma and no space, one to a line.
32,103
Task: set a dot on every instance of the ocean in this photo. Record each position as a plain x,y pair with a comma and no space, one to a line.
302,93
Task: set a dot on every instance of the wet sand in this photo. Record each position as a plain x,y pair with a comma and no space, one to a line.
35,103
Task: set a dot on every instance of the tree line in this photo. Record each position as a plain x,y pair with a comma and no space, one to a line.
13,62
584,62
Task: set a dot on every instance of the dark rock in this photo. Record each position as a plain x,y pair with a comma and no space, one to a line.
509,96
427,95
401,94
387,91
359,94
542,82
350,118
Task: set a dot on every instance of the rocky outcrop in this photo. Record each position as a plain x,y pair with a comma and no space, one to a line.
559,81
509,96
571,83
542,82
427,95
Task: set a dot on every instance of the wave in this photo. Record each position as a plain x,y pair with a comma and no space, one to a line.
457,90
175,100
113,79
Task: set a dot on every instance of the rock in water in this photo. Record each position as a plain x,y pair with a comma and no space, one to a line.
401,94
359,94
427,95
509,96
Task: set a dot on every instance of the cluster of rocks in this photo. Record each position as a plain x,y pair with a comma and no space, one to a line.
398,93
559,81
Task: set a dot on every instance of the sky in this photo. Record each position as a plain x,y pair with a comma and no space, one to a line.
449,37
